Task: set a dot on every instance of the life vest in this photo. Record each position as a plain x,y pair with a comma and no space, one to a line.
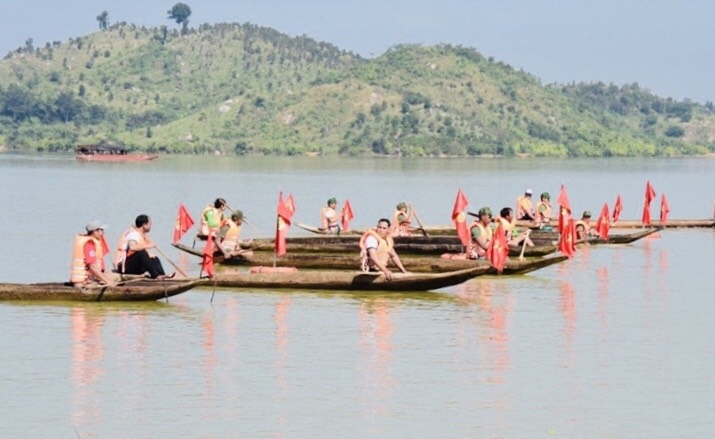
230,241
329,219
400,228
382,253
475,250
523,206
508,228
544,215
121,254
142,241
584,228
211,220
79,271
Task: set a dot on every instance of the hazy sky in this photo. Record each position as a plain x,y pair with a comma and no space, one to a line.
664,45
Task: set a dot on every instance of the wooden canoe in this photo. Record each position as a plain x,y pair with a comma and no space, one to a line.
347,280
416,264
540,237
139,290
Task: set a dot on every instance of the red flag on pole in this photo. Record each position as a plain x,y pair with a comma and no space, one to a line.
207,263
567,243
603,224
183,223
664,209
498,250
649,196
617,209
460,218
286,209
564,208
346,215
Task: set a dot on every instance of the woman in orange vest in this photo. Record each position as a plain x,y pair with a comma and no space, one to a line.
88,256
229,237
377,249
212,217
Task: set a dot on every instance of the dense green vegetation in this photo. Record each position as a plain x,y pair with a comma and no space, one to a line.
240,88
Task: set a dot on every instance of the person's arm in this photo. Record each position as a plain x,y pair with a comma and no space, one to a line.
97,272
133,243
94,265
396,260
372,254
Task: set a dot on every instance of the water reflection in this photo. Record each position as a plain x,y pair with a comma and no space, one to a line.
375,346
87,354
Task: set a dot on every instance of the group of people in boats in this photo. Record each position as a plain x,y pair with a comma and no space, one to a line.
134,254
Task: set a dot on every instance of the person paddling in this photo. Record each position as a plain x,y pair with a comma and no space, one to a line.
377,249
139,259
212,218
402,219
583,226
544,211
524,207
229,237
88,256
329,218
481,233
513,236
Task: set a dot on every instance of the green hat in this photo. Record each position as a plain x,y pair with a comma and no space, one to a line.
401,205
485,211
332,201
546,195
237,215
587,214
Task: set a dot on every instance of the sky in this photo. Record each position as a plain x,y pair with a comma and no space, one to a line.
665,46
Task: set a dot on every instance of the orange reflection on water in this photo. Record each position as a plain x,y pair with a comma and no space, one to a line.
568,309
208,365
87,353
280,318
603,292
375,344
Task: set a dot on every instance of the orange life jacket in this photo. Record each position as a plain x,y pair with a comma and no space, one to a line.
382,253
121,254
475,250
545,216
583,227
230,241
329,222
523,206
400,228
79,271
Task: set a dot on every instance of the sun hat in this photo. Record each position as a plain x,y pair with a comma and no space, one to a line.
94,225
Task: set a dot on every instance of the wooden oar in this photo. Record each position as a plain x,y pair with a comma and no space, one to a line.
255,230
312,229
170,261
424,232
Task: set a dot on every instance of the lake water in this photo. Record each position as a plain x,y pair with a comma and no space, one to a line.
617,342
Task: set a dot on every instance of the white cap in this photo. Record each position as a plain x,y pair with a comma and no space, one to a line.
94,225
529,192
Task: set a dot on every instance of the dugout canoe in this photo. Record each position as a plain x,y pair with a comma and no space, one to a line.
347,280
540,237
135,290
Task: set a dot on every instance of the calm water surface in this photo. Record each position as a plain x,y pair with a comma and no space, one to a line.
618,342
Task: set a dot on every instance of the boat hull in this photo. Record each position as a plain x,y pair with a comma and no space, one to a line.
116,157
143,290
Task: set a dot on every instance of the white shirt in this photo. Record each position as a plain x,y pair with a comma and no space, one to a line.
135,236
371,242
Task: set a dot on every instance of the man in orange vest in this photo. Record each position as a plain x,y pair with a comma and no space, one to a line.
229,237
379,249
88,256
139,259
524,207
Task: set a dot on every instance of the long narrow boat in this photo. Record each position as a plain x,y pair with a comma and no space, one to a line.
540,237
139,290
347,280
110,153
417,264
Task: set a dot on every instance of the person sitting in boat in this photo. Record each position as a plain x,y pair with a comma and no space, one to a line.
212,218
329,218
377,249
402,219
524,207
88,256
229,237
140,259
513,236
481,233
583,226
544,211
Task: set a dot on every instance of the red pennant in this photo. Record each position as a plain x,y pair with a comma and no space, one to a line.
567,243
617,209
649,196
498,250
286,209
183,223
603,225
564,208
664,209
346,215
207,263
460,218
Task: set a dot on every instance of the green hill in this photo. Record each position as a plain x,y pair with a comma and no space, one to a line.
231,88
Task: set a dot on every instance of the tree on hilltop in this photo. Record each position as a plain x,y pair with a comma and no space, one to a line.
103,20
180,13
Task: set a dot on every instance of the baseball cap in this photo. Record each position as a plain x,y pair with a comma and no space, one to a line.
529,192
94,225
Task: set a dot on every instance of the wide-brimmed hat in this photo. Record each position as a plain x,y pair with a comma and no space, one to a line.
94,225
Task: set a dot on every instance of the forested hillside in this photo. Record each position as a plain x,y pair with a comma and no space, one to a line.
240,88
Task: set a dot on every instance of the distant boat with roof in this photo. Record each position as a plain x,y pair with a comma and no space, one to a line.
109,153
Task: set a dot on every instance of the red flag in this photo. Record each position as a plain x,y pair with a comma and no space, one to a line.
649,196
567,243
664,209
603,225
460,218
498,250
105,246
564,208
183,223
346,214
286,209
617,209
207,263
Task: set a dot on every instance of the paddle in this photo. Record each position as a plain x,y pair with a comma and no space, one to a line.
424,232
255,230
170,261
